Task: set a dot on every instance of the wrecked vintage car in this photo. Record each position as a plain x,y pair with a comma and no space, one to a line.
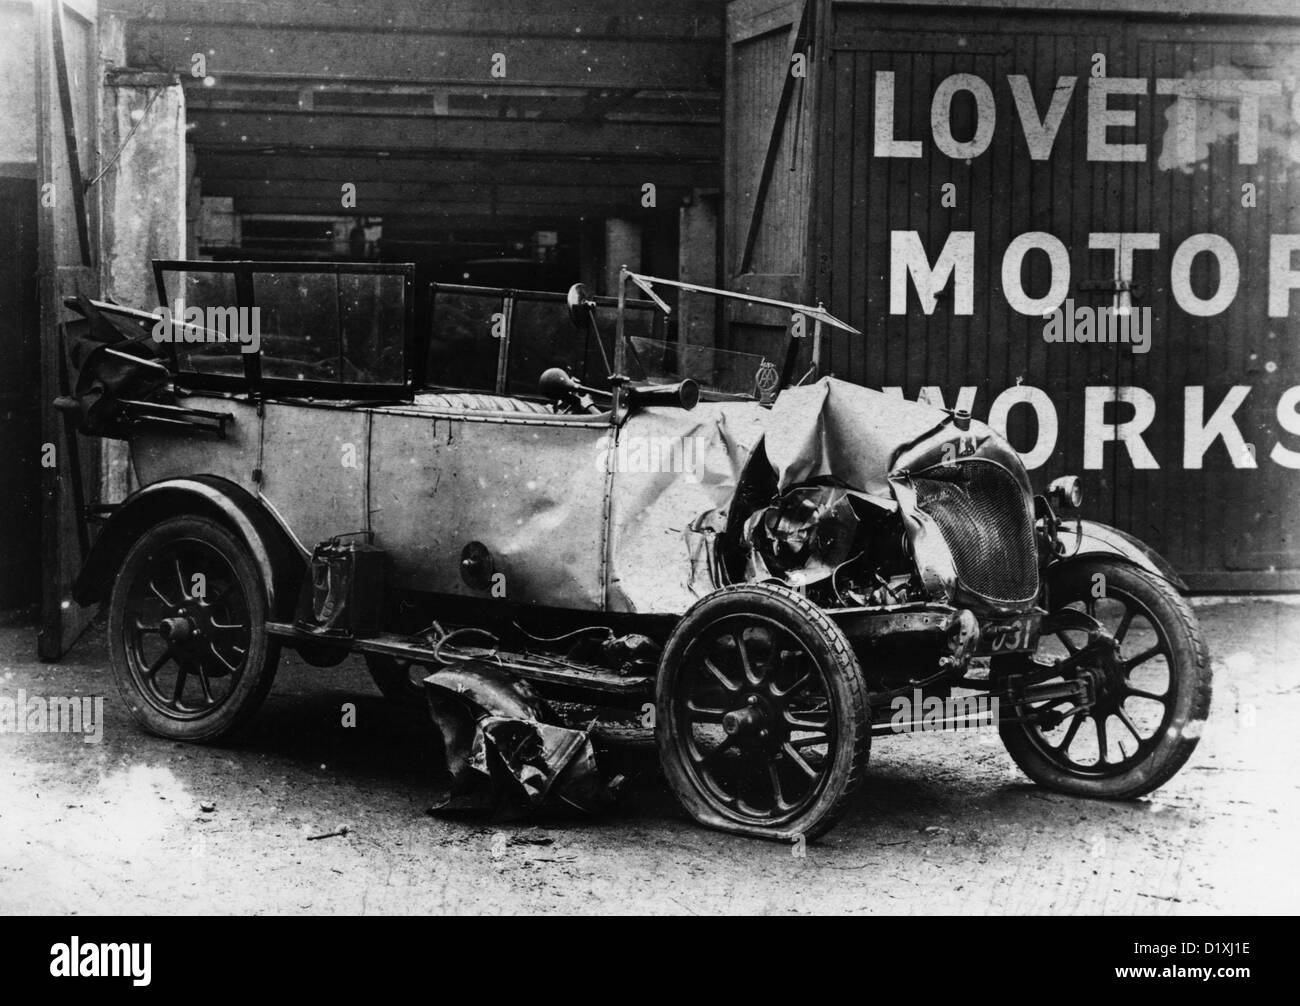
529,501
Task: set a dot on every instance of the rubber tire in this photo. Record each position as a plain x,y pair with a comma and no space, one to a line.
1191,674
263,654
827,643
394,681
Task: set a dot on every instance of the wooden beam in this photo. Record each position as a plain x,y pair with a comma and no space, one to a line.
357,54
798,39
532,217
295,130
257,87
600,103
466,230
585,18
551,172
399,192
540,209
64,87
573,106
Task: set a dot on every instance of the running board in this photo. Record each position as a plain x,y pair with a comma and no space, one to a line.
552,671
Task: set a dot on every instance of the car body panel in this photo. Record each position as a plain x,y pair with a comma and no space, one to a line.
529,488
573,511
160,452
431,480
313,465
662,522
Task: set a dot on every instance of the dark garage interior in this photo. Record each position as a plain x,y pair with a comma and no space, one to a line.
487,146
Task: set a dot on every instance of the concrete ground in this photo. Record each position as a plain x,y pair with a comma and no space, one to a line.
944,825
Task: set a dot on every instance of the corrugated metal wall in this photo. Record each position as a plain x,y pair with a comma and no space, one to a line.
1226,524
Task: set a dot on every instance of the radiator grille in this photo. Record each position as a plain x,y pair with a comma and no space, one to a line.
986,520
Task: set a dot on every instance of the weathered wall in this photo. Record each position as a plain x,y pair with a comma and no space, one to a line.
144,191
17,88
144,195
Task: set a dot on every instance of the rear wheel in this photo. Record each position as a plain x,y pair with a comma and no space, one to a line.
1152,689
187,631
762,721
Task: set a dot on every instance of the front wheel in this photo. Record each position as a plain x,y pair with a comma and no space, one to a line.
187,631
761,714
1151,688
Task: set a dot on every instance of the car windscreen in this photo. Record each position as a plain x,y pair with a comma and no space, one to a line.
729,371
500,341
336,330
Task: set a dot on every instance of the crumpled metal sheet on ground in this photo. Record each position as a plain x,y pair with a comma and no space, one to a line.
502,753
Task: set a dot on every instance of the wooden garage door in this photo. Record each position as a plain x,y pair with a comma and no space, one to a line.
973,159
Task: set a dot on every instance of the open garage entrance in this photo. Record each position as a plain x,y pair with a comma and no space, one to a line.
516,144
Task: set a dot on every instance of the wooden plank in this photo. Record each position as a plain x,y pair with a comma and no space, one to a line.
454,218
398,192
585,18
1044,211
900,332
236,131
73,159
59,274
1151,495
798,39
859,196
538,209
1064,372
578,172
557,104
1177,9
992,324
357,54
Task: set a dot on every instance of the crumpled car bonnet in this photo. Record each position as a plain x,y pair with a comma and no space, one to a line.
841,429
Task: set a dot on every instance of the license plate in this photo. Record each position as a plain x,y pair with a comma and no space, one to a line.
1010,635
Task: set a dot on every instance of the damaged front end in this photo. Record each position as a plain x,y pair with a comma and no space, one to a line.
913,530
